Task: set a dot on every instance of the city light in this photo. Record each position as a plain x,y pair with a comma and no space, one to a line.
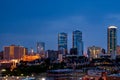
43,79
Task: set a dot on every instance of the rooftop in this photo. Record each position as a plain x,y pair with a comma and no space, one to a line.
112,27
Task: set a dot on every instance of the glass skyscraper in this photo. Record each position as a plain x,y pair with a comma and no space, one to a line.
112,39
62,43
77,42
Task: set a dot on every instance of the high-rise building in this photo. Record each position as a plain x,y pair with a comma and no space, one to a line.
14,52
62,43
40,47
111,39
77,42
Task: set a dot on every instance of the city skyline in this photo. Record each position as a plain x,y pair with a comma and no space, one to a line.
27,22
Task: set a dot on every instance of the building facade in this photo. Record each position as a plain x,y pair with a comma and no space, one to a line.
14,52
77,42
94,52
111,39
52,55
62,43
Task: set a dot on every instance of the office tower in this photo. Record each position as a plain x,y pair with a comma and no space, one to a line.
94,51
77,42
14,52
40,47
111,39
62,43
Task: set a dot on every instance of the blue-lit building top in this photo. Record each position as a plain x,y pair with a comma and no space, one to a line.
62,42
112,39
77,42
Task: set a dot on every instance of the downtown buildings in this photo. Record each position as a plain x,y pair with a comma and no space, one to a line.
77,43
18,53
112,48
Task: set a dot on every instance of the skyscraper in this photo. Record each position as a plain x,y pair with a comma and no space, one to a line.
77,42
111,39
40,47
62,43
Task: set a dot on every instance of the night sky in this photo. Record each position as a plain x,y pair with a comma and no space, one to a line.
24,22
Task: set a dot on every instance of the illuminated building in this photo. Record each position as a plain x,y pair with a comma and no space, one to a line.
30,57
14,52
77,42
62,43
40,47
111,39
94,51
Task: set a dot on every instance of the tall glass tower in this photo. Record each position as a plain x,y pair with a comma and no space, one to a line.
62,43
77,42
111,39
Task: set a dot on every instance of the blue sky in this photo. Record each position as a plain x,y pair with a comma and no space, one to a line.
24,22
